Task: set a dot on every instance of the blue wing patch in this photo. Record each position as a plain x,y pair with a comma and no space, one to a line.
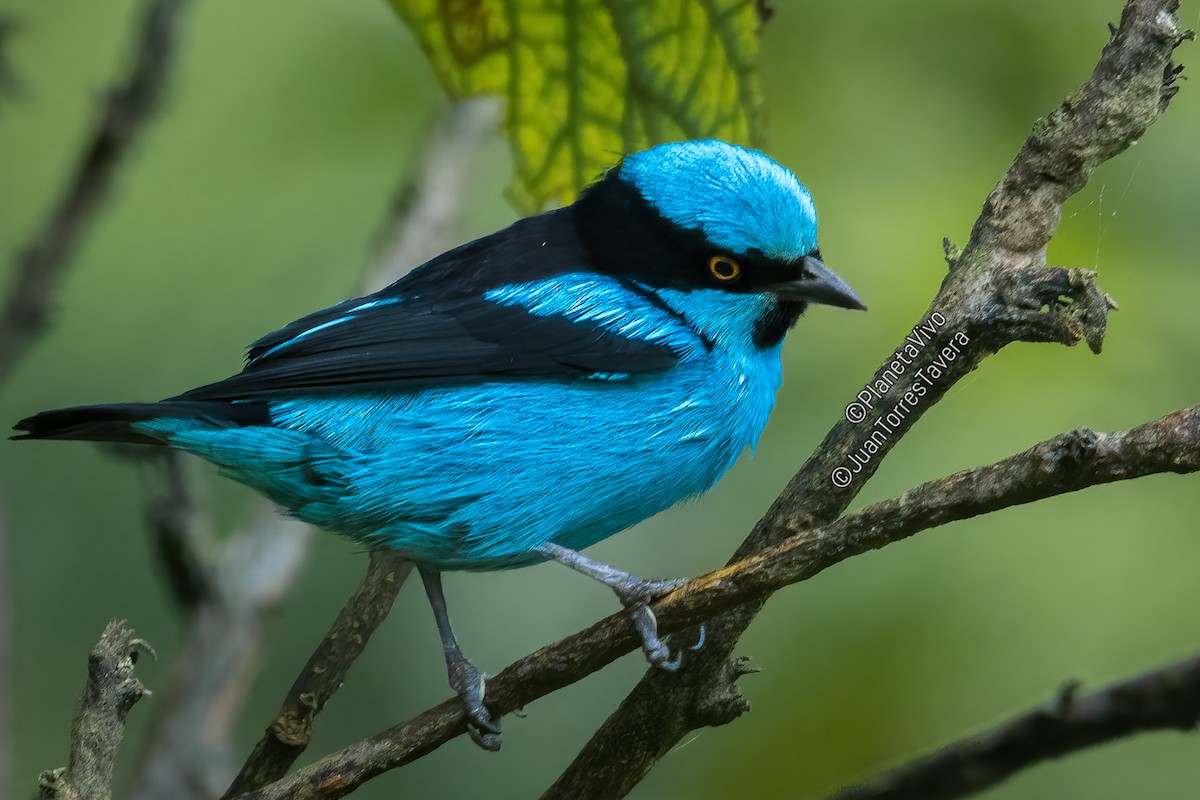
267,346
616,306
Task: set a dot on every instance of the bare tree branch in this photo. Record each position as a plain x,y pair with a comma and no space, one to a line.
99,725
999,290
127,110
1165,699
1066,463
291,731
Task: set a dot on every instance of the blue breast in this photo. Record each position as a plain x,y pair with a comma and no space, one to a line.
473,477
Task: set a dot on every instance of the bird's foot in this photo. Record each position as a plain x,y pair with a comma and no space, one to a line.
636,595
469,683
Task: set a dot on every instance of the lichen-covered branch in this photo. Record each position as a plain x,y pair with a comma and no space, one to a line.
127,110
111,689
1065,463
999,290
1165,699
290,732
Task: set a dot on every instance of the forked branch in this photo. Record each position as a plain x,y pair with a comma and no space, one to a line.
999,290
1066,463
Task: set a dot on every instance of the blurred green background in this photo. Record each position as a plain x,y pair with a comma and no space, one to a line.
253,199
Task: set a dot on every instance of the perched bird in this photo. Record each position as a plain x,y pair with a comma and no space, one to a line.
526,395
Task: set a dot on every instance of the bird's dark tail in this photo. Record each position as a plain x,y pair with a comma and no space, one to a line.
115,422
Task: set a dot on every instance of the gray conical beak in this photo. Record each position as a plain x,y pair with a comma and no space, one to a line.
819,284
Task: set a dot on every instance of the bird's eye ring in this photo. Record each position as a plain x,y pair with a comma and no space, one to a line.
724,268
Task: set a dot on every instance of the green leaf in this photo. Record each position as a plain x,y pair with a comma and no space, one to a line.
692,67
590,80
466,42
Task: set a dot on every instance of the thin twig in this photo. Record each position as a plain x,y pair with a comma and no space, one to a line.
1165,699
1066,463
999,290
99,725
290,732
127,110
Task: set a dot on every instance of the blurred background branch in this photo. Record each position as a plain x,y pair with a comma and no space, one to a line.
1164,699
24,315
426,210
127,110
180,530
229,591
190,753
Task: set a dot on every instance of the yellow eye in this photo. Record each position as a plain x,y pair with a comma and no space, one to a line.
724,268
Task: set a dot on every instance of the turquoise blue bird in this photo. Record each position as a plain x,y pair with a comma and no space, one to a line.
524,396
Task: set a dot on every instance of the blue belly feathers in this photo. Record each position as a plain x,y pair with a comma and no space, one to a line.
474,477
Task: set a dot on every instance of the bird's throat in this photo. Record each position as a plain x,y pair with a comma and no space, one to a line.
776,321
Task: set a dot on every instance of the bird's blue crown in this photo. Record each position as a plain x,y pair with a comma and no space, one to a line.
740,199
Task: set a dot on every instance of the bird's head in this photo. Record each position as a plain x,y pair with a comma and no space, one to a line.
722,231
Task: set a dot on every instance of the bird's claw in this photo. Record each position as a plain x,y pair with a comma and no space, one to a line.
701,637
636,597
672,664
658,653
470,684
488,741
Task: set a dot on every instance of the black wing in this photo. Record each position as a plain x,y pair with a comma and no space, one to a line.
435,328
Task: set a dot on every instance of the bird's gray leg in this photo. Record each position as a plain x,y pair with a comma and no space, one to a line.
465,679
635,594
